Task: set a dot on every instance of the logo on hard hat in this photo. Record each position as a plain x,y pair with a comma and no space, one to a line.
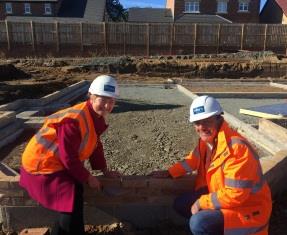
109,88
198,110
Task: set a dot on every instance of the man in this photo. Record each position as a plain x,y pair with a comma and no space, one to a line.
52,169
231,195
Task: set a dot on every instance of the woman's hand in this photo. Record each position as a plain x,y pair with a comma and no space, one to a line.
160,174
94,183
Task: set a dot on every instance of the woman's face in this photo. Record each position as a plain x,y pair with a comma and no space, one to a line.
208,128
102,105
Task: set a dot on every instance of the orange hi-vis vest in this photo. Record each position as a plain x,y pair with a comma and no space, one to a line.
41,155
235,182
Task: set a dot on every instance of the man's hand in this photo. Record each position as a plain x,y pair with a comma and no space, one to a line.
195,207
160,174
94,183
111,174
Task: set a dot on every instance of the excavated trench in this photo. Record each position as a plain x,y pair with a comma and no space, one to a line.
149,130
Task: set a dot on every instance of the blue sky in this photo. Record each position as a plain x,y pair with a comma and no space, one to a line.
150,3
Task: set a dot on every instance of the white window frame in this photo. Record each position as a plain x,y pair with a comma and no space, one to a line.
27,8
47,9
243,6
8,8
221,6
192,6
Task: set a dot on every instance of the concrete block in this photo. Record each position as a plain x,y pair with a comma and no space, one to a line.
16,218
100,215
13,106
135,182
6,170
7,117
10,129
34,123
35,231
27,114
11,138
282,86
141,215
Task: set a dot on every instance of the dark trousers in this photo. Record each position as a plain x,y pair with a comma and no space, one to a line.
204,222
71,223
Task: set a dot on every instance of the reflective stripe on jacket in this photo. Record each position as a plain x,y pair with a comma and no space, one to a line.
41,155
235,182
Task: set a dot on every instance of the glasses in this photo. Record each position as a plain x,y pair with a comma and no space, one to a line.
106,100
205,122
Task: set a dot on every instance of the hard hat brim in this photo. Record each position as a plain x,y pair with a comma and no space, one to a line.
203,116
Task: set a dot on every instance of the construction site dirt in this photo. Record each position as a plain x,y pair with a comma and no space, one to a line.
153,135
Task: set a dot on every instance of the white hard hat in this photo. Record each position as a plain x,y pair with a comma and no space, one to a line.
204,107
104,85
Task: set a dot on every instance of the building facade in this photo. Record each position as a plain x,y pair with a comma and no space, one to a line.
29,8
274,12
236,11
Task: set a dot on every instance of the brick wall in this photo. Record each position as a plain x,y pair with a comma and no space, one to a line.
37,9
210,7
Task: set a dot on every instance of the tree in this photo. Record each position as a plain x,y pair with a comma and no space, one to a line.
116,11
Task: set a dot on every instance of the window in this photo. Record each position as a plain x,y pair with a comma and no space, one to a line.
8,7
27,8
222,6
192,6
48,9
243,6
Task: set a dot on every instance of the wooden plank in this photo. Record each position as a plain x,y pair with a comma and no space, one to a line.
32,35
218,38
81,37
273,130
265,37
8,35
147,39
242,37
195,37
260,114
105,38
57,36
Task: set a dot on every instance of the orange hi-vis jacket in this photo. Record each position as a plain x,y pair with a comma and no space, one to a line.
41,155
235,181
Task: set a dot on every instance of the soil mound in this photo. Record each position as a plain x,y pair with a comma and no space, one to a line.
10,72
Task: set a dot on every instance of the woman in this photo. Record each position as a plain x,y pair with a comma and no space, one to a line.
52,169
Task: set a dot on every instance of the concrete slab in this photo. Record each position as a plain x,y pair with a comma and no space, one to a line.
275,111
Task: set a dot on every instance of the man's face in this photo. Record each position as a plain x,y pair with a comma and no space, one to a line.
102,105
208,128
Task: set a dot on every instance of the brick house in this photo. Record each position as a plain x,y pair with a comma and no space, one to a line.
51,10
237,11
29,8
200,11
274,12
